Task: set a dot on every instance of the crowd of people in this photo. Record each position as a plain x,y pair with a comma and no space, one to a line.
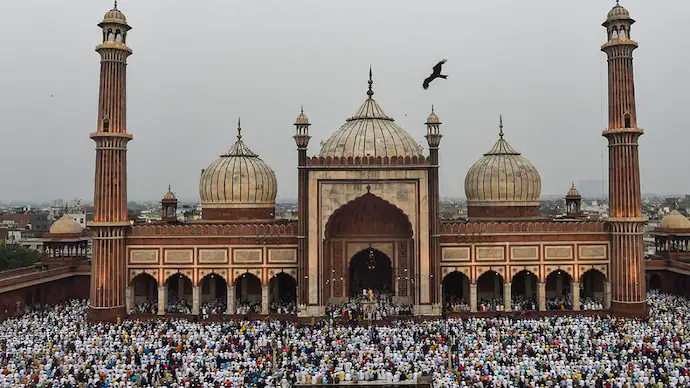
179,306
376,306
213,307
590,303
490,304
520,303
248,307
58,347
284,306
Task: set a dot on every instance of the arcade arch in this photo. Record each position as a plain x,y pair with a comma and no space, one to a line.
179,294
214,290
558,290
283,294
248,294
145,295
456,292
524,291
490,291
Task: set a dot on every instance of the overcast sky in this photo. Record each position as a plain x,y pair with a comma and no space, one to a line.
198,65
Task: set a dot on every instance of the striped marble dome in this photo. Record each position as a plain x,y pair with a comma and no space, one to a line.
238,178
502,177
370,132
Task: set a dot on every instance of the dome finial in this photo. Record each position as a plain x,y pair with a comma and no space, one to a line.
500,126
115,5
169,187
432,108
370,82
301,109
239,129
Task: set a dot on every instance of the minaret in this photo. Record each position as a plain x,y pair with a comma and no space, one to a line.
302,140
108,277
433,138
627,273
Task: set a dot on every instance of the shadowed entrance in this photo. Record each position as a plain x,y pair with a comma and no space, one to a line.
370,269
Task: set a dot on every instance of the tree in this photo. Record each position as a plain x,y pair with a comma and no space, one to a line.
16,256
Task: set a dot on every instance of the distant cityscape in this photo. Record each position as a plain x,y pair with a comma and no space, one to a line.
26,224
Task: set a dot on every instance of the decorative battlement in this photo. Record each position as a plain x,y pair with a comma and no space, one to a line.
320,161
523,227
209,229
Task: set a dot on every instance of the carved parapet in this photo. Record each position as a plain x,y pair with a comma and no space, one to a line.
320,161
215,229
455,228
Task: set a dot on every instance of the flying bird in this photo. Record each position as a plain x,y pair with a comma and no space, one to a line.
436,74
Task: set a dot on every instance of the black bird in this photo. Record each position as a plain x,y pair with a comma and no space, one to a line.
435,74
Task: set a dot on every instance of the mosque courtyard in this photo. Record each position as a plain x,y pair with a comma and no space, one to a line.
58,347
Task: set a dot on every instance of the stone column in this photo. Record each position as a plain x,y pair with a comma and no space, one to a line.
243,288
212,287
275,293
541,295
507,296
196,296
576,295
129,299
162,299
607,295
231,300
473,297
180,289
264,299
559,285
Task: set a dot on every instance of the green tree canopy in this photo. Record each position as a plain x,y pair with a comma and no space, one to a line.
16,256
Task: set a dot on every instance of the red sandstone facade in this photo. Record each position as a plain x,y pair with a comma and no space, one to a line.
365,201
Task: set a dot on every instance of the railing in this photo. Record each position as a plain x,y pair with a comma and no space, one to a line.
191,229
32,276
20,271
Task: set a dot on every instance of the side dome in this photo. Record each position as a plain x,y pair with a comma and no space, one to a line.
618,12
370,132
674,220
573,193
66,225
169,196
502,184
238,186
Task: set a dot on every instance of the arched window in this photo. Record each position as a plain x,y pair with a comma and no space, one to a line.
614,34
626,119
106,125
111,36
622,34
118,36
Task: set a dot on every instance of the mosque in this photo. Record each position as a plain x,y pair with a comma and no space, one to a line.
368,216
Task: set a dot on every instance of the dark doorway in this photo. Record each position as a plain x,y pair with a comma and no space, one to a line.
371,269
655,282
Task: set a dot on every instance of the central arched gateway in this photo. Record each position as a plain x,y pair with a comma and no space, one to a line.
368,244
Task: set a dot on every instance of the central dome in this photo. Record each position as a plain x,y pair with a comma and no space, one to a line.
370,132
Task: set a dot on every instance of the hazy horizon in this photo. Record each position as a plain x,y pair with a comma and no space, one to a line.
197,66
